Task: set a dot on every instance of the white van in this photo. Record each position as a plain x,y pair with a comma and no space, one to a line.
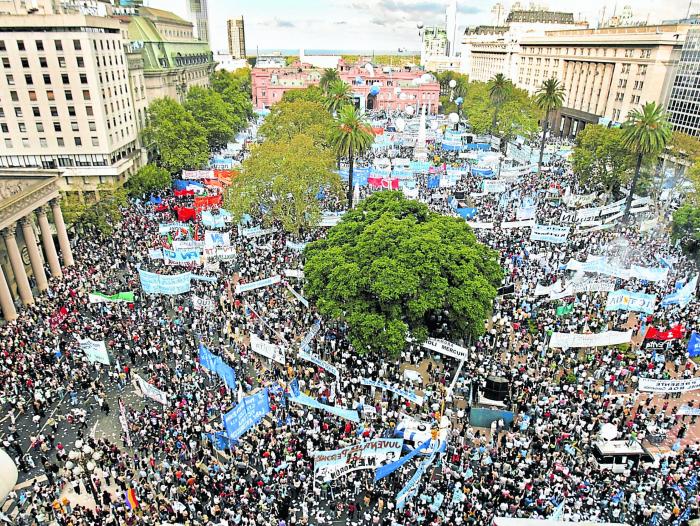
617,456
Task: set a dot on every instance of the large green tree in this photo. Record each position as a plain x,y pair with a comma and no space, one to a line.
686,228
338,96
179,140
392,267
600,158
279,181
148,179
287,119
549,98
351,137
235,89
330,75
499,91
218,118
310,94
645,133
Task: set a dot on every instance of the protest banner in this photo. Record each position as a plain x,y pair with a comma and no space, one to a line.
563,340
153,283
683,296
267,349
411,488
329,219
304,345
506,225
216,254
151,391
205,304
216,239
297,247
480,225
98,297
247,413
366,455
294,273
304,355
273,280
549,233
301,299
686,410
187,244
446,348
493,186
652,385
155,253
95,351
256,231
408,395
631,301
348,414
166,228
388,469
181,257
694,345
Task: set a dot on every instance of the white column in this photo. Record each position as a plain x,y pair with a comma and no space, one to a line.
8,306
25,291
63,241
34,255
47,241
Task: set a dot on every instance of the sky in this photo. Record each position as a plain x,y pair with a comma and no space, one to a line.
379,24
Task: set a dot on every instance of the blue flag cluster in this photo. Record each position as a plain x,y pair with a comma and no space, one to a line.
215,364
246,414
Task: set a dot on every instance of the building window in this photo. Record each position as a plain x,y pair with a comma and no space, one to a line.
43,143
5,62
80,61
57,126
83,78
39,45
76,45
42,62
40,127
54,111
95,141
74,126
47,78
78,141
71,111
25,62
50,95
86,94
20,45
58,44
8,143
28,79
2,46
88,111
60,141
18,112
92,125
10,80
13,96
22,127
25,142
4,128
68,94
64,78
35,110
62,62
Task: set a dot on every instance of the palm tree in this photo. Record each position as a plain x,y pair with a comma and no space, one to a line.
329,76
549,98
338,95
498,93
645,132
351,137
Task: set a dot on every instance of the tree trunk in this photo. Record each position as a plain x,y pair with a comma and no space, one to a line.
545,125
350,188
494,119
630,196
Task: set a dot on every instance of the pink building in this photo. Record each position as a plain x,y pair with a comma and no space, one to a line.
395,89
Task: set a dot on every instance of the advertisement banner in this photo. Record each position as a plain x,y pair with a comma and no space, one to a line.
549,233
153,283
273,280
652,385
408,395
563,340
631,301
266,349
446,348
304,355
95,351
366,455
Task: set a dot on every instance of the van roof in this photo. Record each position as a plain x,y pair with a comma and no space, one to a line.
619,447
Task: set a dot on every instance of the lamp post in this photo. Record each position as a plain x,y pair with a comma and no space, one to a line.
453,85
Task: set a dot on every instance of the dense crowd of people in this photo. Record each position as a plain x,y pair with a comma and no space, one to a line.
182,468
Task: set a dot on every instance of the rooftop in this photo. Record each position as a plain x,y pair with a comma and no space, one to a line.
540,16
161,14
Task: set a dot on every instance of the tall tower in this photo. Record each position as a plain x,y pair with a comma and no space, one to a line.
199,17
236,37
451,27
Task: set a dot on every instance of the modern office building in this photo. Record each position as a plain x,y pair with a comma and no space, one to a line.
684,101
489,50
236,37
604,72
199,16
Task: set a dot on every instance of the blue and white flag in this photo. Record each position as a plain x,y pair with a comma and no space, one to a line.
558,512
408,395
294,387
631,301
682,296
153,283
273,280
207,358
348,414
385,471
304,355
694,345
246,414
411,487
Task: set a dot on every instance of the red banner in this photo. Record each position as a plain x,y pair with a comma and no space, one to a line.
57,317
183,193
674,333
185,214
162,208
211,201
379,182
214,183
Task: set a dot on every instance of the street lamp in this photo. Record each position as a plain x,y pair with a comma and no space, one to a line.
453,85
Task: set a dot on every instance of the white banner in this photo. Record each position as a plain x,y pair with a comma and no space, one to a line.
446,348
267,349
479,225
564,340
198,174
151,391
294,273
542,290
216,239
205,304
155,253
301,299
651,385
187,244
686,410
549,233
518,224
366,455
96,351
216,254
494,186
256,231
273,280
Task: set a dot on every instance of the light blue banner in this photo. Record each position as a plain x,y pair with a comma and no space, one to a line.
165,228
208,279
683,295
181,256
310,336
388,469
408,395
215,364
411,487
298,247
153,283
211,220
630,301
321,363
348,414
258,284
246,414
207,358
549,233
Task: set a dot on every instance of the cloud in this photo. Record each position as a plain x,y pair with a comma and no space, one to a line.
378,22
340,23
284,23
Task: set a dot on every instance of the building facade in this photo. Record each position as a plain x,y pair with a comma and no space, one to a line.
236,37
489,50
199,16
684,102
29,215
604,72
65,98
397,89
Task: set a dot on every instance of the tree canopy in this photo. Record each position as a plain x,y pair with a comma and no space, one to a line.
220,120
392,267
101,214
180,141
600,158
149,178
310,94
280,181
288,119
235,90
686,228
